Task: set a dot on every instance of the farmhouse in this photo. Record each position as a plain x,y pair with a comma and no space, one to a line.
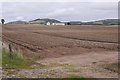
58,23
49,23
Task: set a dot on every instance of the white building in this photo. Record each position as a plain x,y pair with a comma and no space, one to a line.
48,23
58,23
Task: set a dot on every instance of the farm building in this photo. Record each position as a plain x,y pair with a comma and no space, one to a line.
58,23
48,23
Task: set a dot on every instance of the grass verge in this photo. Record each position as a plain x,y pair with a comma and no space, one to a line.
76,77
14,62
0,58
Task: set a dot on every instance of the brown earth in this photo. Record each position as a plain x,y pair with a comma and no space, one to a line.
91,50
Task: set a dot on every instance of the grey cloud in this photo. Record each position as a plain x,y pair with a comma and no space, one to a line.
105,6
65,11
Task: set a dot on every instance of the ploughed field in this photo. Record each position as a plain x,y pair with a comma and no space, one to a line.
39,38
91,46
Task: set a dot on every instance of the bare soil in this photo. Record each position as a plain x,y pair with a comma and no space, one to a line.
85,51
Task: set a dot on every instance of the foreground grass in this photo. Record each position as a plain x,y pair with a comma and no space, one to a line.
0,58
14,62
76,77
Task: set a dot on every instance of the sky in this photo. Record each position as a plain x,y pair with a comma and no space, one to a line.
63,10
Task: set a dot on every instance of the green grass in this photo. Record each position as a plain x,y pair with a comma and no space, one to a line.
16,62
0,58
76,77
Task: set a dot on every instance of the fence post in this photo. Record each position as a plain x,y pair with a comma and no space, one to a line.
10,50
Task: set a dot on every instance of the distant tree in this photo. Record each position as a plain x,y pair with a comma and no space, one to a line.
2,21
68,23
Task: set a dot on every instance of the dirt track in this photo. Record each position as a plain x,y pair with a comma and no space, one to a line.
91,46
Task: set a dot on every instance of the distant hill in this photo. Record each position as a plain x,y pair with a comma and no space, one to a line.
44,21
104,22
18,22
98,22
74,23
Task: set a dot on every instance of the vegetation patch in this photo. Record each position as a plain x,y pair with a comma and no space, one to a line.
73,70
77,77
0,58
112,67
14,61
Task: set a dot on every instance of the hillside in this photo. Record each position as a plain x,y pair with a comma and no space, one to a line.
74,23
43,21
104,22
18,22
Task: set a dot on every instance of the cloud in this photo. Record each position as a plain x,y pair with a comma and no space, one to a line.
59,0
105,6
19,18
0,10
64,11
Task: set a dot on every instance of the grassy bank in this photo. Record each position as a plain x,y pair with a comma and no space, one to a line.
76,77
0,58
15,61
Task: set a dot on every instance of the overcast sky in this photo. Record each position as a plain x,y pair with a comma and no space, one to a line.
60,10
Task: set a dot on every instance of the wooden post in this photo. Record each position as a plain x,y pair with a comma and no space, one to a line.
10,50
